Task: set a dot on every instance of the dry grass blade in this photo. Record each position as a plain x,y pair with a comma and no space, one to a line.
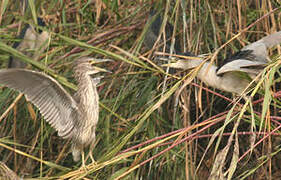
141,134
3,8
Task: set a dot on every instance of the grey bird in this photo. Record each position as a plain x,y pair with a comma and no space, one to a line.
73,117
154,22
32,43
251,60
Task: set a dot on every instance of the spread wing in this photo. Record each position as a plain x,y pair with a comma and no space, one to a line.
54,103
252,58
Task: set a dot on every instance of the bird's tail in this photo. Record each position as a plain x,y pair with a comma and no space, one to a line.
76,153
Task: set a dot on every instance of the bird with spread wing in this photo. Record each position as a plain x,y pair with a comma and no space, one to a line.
74,117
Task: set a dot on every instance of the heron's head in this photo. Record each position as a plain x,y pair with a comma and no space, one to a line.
185,61
86,65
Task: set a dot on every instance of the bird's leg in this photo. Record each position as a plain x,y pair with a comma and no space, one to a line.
91,153
83,160
247,98
92,157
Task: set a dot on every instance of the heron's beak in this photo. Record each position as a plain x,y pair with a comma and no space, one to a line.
101,70
97,61
185,62
171,62
179,61
167,65
174,64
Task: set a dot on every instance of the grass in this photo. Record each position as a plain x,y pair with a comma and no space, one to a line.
141,133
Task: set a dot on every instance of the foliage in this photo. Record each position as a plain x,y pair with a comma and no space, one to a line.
141,131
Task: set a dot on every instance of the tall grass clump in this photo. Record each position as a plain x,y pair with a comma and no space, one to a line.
150,126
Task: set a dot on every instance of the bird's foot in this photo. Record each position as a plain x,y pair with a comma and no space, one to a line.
83,167
93,159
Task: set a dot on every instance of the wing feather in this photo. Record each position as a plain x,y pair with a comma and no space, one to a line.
252,57
55,104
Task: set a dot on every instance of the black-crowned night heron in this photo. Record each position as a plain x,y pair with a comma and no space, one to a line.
251,59
73,117
154,23
33,41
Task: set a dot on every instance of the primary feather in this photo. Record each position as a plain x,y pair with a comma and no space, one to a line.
72,118
54,103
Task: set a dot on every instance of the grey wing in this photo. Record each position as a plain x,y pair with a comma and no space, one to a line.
41,44
256,60
242,65
32,44
54,103
259,48
27,43
153,32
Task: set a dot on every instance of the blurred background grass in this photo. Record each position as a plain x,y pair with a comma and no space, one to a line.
134,108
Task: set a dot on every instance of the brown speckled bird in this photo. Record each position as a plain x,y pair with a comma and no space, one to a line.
73,117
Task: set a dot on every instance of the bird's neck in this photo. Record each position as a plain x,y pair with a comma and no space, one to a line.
88,96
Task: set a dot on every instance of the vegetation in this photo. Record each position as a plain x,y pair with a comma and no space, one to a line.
150,126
